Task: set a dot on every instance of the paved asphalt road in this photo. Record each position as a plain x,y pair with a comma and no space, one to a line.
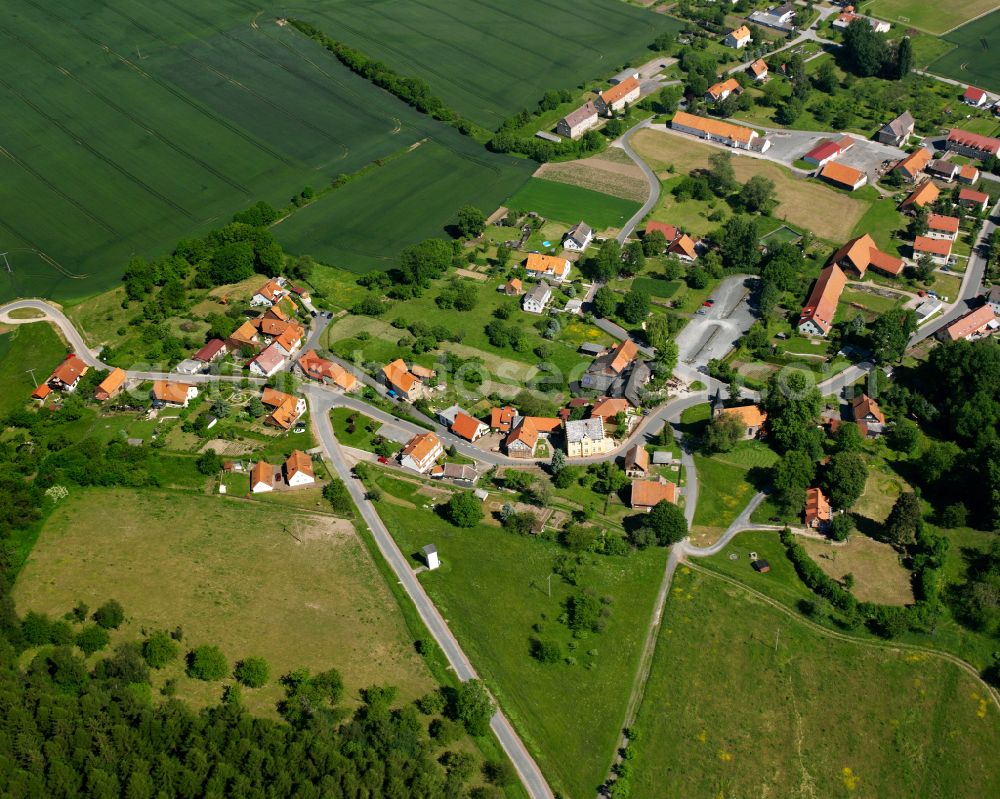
651,179
320,403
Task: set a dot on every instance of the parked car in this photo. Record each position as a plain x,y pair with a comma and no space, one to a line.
383,459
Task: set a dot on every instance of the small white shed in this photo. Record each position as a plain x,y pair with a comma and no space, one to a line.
430,554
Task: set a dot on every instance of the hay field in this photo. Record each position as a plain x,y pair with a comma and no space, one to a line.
489,59
607,173
232,573
728,713
807,204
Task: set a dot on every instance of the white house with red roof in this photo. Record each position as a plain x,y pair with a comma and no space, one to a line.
977,98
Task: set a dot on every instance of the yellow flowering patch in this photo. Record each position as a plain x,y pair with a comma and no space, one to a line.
850,778
725,757
981,712
701,737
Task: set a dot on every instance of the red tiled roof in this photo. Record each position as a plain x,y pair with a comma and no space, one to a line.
609,407
669,231
110,384
821,306
624,355
817,506
297,462
862,253
398,375
974,140
949,224
501,418
970,323
974,94
615,93
262,472
915,161
924,244
648,493
973,196
210,350
844,175
465,426
69,371
420,446
927,192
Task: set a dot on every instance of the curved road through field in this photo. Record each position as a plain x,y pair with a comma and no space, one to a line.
651,179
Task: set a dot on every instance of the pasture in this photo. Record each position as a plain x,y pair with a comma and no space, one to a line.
296,588
569,204
130,126
772,707
725,487
490,59
976,56
364,224
928,15
806,204
878,575
492,588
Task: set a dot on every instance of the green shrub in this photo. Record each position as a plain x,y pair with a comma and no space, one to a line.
159,649
207,663
253,672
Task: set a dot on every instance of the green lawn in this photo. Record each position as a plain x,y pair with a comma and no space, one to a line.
724,488
361,437
881,221
771,707
570,204
492,589
27,346
657,287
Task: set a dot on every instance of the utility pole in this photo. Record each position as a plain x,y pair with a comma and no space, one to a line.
33,380
777,634
549,580
6,262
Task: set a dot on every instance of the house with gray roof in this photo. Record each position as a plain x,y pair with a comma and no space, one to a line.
578,122
536,300
578,237
586,437
897,131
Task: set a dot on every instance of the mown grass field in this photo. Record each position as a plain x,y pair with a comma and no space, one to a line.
34,346
809,205
135,126
976,57
297,589
928,15
492,589
363,225
724,487
570,204
745,700
490,59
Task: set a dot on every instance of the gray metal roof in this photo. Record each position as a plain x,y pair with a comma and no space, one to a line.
900,124
592,349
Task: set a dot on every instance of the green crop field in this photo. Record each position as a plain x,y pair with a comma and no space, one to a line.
492,588
570,204
773,707
489,59
364,224
128,126
929,15
976,57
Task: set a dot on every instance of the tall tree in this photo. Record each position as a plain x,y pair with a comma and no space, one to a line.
721,177
740,244
890,333
793,405
901,526
844,479
864,50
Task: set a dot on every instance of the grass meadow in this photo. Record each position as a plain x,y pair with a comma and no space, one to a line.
976,56
136,125
570,204
746,700
492,588
806,204
490,59
34,346
296,588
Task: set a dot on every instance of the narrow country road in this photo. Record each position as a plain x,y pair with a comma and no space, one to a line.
527,769
651,179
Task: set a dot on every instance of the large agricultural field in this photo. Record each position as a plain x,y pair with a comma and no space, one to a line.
493,590
298,589
773,707
489,59
976,56
363,225
128,126
928,15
